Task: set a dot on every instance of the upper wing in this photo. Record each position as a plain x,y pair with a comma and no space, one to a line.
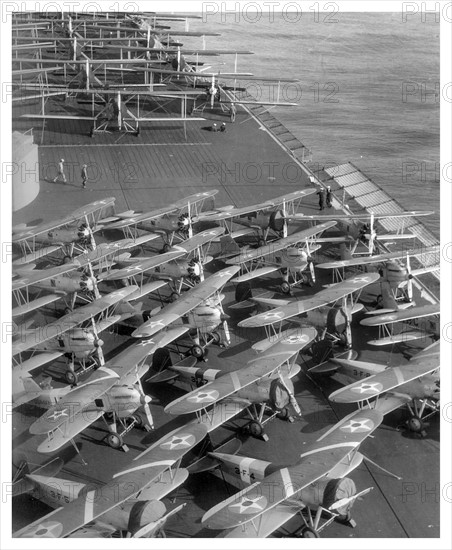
234,212
65,410
201,239
188,301
263,365
37,275
144,470
281,244
402,315
71,218
387,380
315,463
331,294
378,258
366,216
71,320
142,265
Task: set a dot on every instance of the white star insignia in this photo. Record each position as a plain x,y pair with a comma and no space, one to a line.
295,338
249,505
154,324
273,315
204,396
57,414
178,442
146,343
224,274
365,387
360,280
133,268
358,425
46,529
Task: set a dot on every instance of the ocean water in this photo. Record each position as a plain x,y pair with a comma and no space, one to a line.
367,92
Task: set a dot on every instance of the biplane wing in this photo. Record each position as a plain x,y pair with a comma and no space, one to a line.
390,378
78,409
130,218
231,212
262,365
35,276
378,258
71,320
322,298
74,217
192,298
143,471
402,315
141,265
281,244
315,463
366,216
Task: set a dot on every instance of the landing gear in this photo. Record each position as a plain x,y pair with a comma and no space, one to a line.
115,440
416,425
197,351
255,428
261,242
174,296
308,533
166,248
285,287
71,377
283,414
216,338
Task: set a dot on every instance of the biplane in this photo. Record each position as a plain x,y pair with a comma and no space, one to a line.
415,384
334,322
152,474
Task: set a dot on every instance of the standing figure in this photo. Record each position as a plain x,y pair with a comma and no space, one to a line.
328,197
321,194
84,175
60,172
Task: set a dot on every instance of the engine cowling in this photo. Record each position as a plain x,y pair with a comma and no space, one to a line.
326,492
276,221
143,513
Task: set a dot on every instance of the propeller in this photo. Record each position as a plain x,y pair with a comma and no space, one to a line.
292,399
145,400
310,261
348,500
409,287
98,343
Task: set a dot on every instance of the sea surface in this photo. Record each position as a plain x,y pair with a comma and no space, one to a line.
368,91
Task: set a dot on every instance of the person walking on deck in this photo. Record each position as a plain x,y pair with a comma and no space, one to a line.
321,194
84,175
60,172
329,197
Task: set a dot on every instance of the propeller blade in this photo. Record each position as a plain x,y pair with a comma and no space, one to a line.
312,270
345,501
227,334
409,288
98,343
145,400
293,401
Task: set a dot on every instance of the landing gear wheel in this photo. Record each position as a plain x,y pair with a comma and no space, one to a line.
67,310
283,414
91,132
415,424
66,260
309,533
285,287
71,377
255,428
115,440
216,338
261,242
166,248
174,296
197,351
137,133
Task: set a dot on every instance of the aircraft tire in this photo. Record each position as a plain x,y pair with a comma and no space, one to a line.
309,533
216,338
197,351
415,424
283,414
255,428
115,440
71,377
261,242
174,296
285,287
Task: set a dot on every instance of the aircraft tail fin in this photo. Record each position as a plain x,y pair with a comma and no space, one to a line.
224,247
26,484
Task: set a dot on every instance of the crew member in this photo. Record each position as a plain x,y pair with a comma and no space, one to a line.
84,175
328,197
321,194
60,172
